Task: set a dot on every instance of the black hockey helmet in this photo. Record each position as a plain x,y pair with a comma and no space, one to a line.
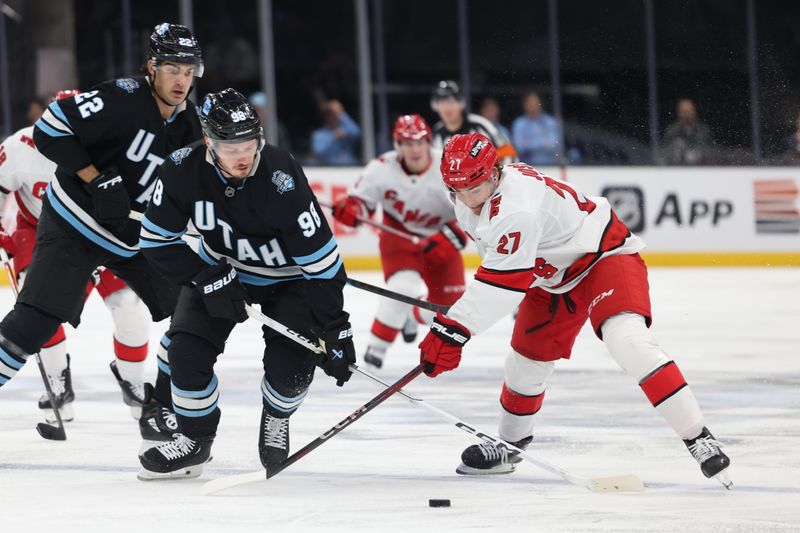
176,44
227,116
446,89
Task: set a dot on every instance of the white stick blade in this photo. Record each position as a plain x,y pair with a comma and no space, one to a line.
627,483
228,482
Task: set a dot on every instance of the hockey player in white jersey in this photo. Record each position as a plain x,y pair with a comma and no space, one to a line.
407,184
25,173
563,258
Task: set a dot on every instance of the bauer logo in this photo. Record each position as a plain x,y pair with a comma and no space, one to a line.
628,204
283,181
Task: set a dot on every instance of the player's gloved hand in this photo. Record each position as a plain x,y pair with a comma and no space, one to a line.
449,240
441,347
347,210
223,294
337,341
110,202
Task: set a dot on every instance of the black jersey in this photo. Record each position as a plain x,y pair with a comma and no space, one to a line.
116,124
269,227
477,124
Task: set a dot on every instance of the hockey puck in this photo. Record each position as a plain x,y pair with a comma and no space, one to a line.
439,503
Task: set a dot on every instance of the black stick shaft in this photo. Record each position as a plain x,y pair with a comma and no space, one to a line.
355,415
397,296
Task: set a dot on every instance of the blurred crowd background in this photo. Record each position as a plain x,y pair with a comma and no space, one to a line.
617,82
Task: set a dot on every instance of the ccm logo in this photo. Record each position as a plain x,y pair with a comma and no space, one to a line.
345,333
459,338
211,287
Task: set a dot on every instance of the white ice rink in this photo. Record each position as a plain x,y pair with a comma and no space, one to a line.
734,332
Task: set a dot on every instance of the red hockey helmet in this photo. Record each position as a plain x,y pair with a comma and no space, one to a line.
411,128
468,160
66,93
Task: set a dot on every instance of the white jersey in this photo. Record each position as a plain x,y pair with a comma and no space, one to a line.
535,231
26,172
419,203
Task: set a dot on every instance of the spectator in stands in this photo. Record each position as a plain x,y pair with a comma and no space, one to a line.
259,101
687,141
35,109
490,110
336,141
536,134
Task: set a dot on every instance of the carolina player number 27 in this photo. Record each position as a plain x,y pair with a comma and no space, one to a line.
513,237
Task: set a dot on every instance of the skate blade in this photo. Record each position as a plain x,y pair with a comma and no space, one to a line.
190,472
724,479
66,412
465,470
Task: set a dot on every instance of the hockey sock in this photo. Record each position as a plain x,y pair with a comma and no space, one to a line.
54,353
383,333
671,396
163,392
522,395
277,404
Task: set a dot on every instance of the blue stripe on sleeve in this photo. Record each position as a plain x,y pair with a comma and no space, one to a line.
328,273
319,254
56,110
155,228
42,125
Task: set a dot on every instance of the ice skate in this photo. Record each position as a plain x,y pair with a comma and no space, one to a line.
133,394
180,458
713,463
157,424
486,458
61,384
273,439
409,331
374,357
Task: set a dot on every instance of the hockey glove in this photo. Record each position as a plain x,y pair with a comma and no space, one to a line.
441,347
223,294
441,246
348,210
110,202
337,341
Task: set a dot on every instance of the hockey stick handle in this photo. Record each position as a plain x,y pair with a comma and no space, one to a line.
422,304
383,227
60,432
619,483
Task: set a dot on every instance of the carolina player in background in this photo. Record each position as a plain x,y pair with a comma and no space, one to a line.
26,173
262,240
407,184
107,144
449,104
563,257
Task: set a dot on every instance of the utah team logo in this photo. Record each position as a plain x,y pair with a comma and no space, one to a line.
283,181
628,204
128,84
178,155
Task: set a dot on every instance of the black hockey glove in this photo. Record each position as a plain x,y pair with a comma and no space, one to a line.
110,202
223,294
337,341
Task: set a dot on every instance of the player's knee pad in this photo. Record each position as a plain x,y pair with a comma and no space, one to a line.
526,376
392,313
632,345
28,328
131,317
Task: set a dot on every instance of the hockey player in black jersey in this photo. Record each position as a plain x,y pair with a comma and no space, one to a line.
262,240
107,143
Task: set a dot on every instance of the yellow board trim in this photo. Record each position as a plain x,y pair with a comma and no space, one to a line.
672,259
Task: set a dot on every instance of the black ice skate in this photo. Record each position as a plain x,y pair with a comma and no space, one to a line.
180,458
409,330
135,395
713,463
273,439
157,424
374,357
61,385
486,458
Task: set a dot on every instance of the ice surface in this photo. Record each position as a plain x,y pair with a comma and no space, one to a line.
734,332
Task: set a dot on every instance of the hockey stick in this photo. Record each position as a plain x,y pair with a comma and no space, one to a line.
47,431
383,227
623,483
422,304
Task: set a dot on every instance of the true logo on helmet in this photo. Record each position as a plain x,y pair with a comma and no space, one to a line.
476,148
283,181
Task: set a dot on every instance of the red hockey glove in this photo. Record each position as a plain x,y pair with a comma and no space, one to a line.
442,346
441,246
347,210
